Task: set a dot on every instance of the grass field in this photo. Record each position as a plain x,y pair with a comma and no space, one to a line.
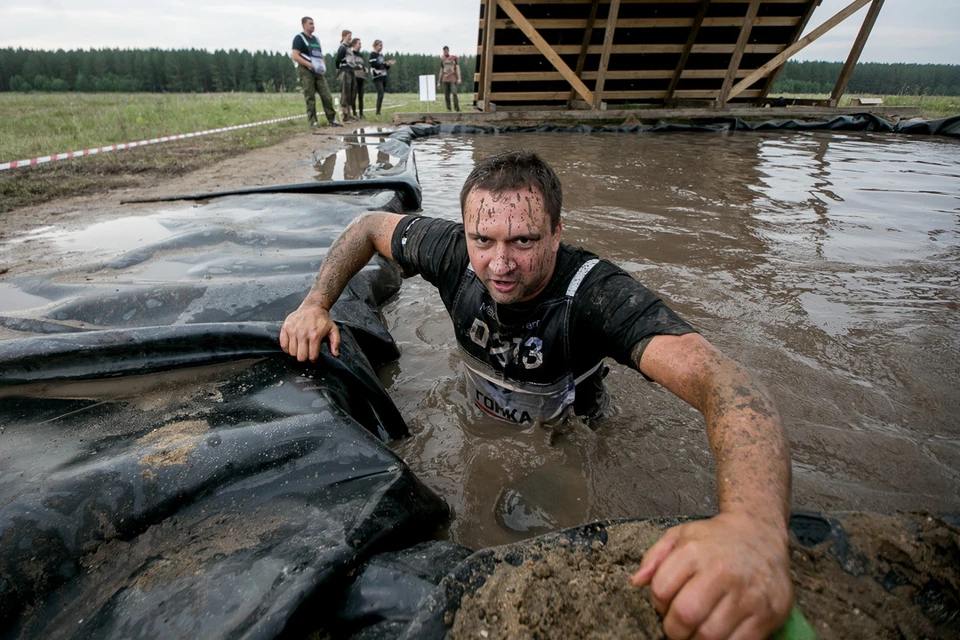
37,124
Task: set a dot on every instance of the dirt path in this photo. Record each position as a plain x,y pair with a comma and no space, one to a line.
290,161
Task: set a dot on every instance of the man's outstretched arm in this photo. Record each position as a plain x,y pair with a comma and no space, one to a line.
305,328
728,576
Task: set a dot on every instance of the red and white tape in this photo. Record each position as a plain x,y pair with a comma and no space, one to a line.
131,145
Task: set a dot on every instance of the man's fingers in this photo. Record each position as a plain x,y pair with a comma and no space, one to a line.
334,342
303,350
652,559
671,576
720,622
284,338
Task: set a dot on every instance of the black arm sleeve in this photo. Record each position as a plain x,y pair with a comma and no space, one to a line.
301,46
435,249
338,61
614,313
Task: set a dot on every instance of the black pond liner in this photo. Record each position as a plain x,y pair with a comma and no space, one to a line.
247,505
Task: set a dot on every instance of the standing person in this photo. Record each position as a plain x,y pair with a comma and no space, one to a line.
449,78
378,70
348,83
533,319
310,65
357,64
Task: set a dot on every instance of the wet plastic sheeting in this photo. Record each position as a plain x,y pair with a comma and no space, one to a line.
166,470
192,507
857,122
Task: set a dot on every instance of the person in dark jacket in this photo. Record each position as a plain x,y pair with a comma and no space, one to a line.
379,66
348,82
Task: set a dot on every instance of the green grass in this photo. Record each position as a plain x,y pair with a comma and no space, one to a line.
931,107
41,124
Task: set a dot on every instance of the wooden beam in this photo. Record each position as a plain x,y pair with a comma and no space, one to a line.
489,51
742,41
657,94
544,48
802,24
687,48
608,32
855,51
582,58
541,24
573,49
799,45
643,74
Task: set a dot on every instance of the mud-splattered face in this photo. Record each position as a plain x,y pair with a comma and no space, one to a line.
510,242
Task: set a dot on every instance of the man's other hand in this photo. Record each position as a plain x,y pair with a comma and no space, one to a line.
305,329
727,577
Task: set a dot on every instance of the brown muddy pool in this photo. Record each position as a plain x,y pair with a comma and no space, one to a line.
827,263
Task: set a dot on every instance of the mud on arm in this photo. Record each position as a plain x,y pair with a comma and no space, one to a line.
305,328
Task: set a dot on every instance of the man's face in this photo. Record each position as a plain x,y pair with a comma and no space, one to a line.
511,245
446,51
308,27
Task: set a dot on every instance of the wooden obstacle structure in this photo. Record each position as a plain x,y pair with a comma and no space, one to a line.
590,54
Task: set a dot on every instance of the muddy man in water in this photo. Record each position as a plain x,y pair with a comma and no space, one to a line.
534,318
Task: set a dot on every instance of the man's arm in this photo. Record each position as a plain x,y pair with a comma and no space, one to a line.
729,574
297,56
305,328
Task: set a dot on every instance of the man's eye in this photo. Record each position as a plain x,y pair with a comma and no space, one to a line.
481,240
524,242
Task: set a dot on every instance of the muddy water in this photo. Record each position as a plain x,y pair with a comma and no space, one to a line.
827,263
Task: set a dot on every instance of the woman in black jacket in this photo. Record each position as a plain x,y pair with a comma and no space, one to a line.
378,68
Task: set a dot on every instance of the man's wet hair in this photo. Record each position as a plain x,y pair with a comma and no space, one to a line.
304,19
514,170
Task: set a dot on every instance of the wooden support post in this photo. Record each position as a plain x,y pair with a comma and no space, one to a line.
582,58
691,39
742,41
489,31
610,28
544,48
855,52
799,45
772,78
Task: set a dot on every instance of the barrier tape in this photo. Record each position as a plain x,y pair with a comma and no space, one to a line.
131,145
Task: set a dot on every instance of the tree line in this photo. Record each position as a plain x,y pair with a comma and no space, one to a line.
871,77
187,71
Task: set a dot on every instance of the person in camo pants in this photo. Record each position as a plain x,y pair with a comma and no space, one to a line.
310,65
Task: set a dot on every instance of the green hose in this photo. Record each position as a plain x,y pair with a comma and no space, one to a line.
795,628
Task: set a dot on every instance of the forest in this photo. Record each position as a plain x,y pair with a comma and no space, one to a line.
201,71
187,71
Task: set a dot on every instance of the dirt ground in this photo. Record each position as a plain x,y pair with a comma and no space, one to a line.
873,576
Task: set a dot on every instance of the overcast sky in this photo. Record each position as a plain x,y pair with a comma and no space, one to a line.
907,30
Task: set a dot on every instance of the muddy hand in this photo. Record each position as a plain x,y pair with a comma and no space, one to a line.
728,577
305,329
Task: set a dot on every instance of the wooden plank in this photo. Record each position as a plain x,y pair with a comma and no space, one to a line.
525,2
687,48
527,96
799,45
544,48
489,52
737,55
855,52
570,49
584,45
605,56
653,74
541,24
513,115
772,79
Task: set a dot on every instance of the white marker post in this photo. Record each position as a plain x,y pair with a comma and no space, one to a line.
428,88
